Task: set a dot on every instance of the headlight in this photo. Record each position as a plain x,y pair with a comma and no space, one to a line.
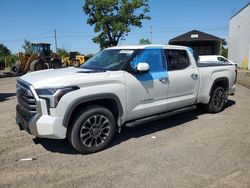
53,95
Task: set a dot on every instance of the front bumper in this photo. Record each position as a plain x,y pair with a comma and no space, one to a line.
32,114
43,126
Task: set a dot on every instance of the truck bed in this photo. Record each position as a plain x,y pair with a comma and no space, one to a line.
212,64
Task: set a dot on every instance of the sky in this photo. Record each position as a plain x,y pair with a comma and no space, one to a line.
36,21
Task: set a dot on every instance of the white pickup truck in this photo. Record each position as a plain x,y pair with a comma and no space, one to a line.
118,86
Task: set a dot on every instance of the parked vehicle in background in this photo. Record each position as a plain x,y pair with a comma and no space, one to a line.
119,86
41,58
74,59
215,59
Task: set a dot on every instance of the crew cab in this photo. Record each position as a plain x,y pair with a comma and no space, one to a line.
118,86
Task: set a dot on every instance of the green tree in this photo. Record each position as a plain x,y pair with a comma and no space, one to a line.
224,42
11,59
88,56
4,51
113,19
62,52
144,41
224,50
27,46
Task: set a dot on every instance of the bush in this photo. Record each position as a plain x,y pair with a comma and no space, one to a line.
10,60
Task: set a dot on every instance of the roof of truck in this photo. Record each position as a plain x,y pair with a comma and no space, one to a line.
148,46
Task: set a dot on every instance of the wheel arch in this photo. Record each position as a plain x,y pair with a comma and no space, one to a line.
107,100
223,81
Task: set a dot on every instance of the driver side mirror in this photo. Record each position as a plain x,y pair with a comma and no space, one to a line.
142,67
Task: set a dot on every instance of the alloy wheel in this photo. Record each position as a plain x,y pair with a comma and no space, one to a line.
95,130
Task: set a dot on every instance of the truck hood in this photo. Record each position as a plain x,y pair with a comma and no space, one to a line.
63,77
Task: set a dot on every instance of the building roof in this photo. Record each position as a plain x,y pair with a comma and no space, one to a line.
240,10
194,35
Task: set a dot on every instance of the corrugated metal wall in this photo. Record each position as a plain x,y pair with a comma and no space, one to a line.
239,37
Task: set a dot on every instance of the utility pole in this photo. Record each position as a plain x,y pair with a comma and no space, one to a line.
55,40
151,34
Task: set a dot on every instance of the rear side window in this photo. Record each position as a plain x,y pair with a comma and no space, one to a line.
177,59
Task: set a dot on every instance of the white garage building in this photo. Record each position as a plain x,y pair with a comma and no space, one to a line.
239,37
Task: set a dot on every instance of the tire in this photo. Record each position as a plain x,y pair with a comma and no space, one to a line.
217,100
92,129
76,63
37,65
64,64
15,68
56,64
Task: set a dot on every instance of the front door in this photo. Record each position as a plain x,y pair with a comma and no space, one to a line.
147,92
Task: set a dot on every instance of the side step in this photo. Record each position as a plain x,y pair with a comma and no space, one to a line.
160,116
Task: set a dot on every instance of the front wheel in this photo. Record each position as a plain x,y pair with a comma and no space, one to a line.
92,129
56,64
217,100
37,65
16,68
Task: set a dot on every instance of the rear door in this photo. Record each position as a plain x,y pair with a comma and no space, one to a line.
183,79
147,92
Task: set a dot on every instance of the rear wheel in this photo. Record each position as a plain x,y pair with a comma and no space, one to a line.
92,129
16,68
64,64
37,65
217,100
76,63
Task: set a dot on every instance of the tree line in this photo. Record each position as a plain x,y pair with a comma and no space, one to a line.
6,56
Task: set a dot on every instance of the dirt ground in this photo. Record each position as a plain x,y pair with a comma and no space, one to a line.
194,149
244,78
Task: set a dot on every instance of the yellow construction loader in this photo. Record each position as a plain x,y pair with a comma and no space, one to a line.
74,59
41,58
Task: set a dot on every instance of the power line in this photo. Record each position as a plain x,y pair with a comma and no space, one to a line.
28,37
178,28
20,40
156,31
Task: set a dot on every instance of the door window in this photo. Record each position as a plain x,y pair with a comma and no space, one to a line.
177,59
156,61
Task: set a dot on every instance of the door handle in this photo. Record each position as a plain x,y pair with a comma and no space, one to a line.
163,79
194,76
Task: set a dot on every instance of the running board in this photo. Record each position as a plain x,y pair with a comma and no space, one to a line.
160,116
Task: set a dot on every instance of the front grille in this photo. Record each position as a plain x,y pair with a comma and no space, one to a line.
26,101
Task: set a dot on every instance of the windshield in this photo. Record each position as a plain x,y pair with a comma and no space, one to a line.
111,59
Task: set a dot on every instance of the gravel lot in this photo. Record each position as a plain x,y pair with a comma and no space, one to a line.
189,150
